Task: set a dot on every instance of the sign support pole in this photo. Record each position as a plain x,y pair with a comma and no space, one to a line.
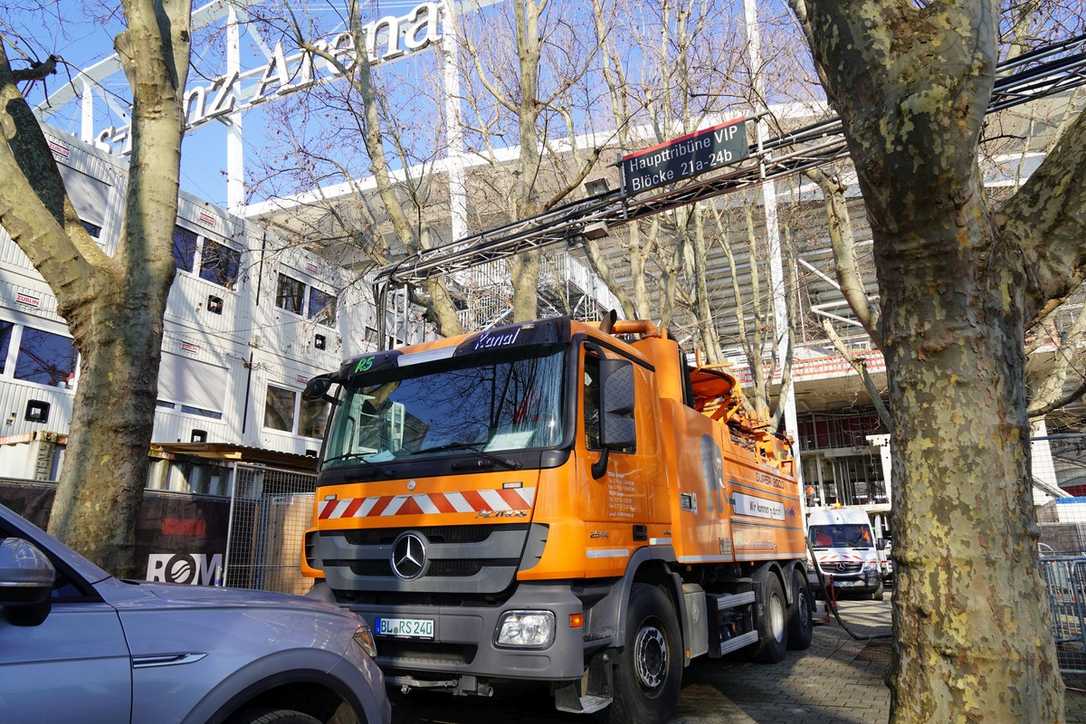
776,265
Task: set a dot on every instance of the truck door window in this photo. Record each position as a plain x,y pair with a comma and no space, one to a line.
591,400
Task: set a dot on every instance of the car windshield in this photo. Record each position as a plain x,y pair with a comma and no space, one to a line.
852,535
484,405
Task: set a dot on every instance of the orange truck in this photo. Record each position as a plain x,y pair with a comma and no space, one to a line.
557,502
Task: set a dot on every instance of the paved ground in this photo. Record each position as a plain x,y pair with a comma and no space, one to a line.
837,680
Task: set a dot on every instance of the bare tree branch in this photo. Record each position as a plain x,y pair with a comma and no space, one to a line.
1046,219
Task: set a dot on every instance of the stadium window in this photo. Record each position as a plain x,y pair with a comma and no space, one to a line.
6,328
184,248
93,229
289,294
191,386
46,358
219,264
279,409
322,307
314,416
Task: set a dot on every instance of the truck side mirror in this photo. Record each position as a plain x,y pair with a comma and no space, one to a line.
617,430
26,582
317,388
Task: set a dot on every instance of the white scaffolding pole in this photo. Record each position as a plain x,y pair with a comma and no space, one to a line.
776,266
454,154
235,150
86,119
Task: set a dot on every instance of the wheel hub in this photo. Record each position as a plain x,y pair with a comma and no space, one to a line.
651,657
776,618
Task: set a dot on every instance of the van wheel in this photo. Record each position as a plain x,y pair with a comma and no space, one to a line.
877,594
649,668
800,625
771,617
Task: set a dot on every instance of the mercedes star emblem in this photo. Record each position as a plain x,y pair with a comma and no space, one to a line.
408,556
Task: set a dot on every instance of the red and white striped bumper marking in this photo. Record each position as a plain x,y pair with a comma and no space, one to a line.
464,501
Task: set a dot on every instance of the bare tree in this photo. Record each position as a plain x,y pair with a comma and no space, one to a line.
549,58
959,282
113,304
357,107
757,336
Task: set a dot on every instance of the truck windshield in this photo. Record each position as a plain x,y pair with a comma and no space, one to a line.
852,535
484,405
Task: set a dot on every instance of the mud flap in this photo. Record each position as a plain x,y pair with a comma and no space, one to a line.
593,692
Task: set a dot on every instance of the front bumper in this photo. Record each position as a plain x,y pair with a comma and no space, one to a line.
464,640
866,582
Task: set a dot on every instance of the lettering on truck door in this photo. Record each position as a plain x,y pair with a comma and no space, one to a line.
623,495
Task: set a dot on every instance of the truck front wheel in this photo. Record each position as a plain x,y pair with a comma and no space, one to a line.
649,668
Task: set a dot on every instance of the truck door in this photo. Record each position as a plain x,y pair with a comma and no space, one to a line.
623,496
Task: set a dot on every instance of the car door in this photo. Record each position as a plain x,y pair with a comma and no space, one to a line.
74,666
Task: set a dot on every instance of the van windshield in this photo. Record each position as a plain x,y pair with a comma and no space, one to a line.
846,535
483,405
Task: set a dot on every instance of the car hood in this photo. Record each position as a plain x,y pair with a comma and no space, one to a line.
143,595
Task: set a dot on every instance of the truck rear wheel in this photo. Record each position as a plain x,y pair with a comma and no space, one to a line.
800,625
649,668
771,618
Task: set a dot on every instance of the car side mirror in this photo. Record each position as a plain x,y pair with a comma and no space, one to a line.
26,582
317,388
883,544
617,429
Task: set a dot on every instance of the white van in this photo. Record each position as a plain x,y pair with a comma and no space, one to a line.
844,546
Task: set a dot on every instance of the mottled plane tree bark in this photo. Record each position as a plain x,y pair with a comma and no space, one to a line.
959,282
113,304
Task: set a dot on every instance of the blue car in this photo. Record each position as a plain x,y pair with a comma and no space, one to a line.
78,645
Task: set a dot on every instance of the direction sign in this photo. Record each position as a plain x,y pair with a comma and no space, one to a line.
685,156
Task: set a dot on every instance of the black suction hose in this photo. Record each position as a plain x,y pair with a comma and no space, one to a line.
832,605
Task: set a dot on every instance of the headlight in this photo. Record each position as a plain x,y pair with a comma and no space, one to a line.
871,565
363,637
529,629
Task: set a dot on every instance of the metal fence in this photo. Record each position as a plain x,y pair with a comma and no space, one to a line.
1065,577
270,509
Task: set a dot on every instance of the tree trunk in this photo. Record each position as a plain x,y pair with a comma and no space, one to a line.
706,326
100,490
525,271
972,643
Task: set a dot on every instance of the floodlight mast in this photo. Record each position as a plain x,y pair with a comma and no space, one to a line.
1049,70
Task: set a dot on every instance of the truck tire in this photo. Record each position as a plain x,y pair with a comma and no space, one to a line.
649,668
876,595
800,624
771,618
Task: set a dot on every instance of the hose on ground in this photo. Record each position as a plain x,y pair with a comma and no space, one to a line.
832,605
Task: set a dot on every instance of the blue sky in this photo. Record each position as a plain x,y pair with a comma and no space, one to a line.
83,34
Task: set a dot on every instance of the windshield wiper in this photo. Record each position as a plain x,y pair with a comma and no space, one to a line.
361,458
475,447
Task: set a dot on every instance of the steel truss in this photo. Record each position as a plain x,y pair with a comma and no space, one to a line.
1047,71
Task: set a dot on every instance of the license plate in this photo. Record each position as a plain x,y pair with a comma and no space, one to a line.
848,583
413,628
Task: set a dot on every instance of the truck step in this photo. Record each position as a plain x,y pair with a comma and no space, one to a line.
738,642
587,704
722,601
